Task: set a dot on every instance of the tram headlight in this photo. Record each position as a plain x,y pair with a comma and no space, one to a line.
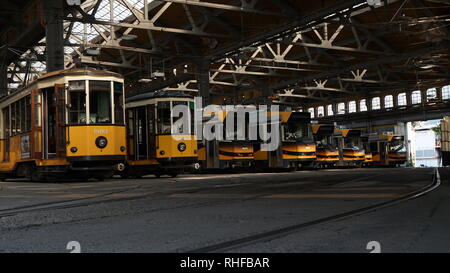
101,142
74,149
122,148
162,153
182,147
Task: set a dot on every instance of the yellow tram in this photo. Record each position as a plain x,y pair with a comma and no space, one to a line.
226,154
155,144
68,121
327,151
368,154
297,148
349,143
388,149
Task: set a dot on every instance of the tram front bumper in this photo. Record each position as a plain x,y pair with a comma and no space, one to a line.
97,163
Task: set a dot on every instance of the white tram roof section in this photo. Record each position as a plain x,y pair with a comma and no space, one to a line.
61,77
151,98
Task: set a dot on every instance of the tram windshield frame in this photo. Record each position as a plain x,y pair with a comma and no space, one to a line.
397,144
165,123
293,131
353,142
95,102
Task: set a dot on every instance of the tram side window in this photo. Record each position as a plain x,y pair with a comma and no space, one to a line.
100,102
77,102
21,116
373,147
18,117
295,131
22,113
130,124
192,112
180,129
6,122
118,102
163,122
27,113
37,110
13,119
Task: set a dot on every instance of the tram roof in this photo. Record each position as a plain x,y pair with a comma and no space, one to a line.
159,94
80,72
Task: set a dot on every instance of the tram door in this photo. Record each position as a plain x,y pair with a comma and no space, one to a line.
141,133
53,122
151,130
384,152
6,132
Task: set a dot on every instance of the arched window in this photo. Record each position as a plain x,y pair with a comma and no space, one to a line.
402,99
376,103
330,110
362,105
341,108
446,92
431,94
352,107
388,101
320,111
416,97
311,111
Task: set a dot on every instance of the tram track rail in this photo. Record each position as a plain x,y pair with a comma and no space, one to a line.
100,199
291,229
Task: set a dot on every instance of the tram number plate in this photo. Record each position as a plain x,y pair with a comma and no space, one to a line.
100,131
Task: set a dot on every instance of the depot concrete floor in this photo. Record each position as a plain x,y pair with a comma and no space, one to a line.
196,211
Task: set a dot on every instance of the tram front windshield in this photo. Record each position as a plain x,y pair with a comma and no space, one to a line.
325,143
165,123
295,131
397,145
99,100
352,143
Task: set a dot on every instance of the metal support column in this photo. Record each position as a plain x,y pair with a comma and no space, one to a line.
3,78
54,14
423,96
334,108
408,98
203,67
358,106
382,102
266,91
395,98
439,93
212,147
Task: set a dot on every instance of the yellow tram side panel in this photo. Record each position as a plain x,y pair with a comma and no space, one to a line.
169,144
397,157
143,162
300,148
261,155
368,157
16,154
327,156
2,150
354,155
83,138
235,148
202,153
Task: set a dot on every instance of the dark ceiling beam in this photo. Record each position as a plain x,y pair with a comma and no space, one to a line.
302,22
174,80
365,65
